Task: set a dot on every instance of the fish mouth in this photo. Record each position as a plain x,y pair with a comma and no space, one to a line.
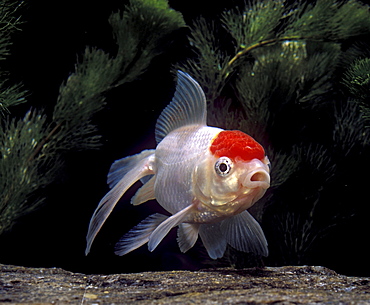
258,177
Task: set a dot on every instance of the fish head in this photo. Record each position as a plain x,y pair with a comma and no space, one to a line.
234,174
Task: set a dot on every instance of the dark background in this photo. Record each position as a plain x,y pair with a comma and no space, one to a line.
44,53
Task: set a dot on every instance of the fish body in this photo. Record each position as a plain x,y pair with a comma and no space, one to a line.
205,177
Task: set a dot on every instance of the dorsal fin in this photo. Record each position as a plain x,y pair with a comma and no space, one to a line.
188,107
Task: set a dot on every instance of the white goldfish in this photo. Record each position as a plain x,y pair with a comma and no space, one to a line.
205,177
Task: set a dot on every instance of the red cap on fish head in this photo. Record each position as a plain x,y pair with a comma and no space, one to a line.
234,143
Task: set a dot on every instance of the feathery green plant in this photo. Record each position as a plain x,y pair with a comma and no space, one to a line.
272,69
140,32
32,148
357,79
265,23
269,68
10,21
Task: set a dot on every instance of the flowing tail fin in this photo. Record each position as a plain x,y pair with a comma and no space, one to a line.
123,174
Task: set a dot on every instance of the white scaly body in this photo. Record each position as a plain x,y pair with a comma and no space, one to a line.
182,178
176,158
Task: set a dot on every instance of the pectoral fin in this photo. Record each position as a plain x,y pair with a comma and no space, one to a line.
244,233
162,230
143,166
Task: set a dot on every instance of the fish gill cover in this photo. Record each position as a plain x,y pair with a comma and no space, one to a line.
292,74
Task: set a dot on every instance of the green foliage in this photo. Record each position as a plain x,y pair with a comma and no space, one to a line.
269,68
357,79
22,177
276,74
9,22
265,23
254,24
210,57
10,95
350,130
294,250
329,20
149,23
32,148
80,98
323,170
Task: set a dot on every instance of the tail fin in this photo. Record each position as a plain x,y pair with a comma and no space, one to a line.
122,166
162,230
124,173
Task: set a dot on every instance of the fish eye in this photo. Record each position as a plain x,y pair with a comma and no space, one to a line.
223,166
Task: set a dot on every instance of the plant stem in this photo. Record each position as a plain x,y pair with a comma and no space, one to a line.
261,44
44,141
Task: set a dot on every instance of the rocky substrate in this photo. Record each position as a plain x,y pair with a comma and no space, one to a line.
280,285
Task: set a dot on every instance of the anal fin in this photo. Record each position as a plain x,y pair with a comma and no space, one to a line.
162,230
139,235
213,240
187,236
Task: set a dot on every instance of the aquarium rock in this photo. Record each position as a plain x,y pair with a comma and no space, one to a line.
270,285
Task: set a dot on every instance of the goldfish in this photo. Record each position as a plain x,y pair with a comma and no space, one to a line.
204,177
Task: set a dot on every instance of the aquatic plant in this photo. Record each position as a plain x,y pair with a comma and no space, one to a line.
275,70
357,80
10,21
32,148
